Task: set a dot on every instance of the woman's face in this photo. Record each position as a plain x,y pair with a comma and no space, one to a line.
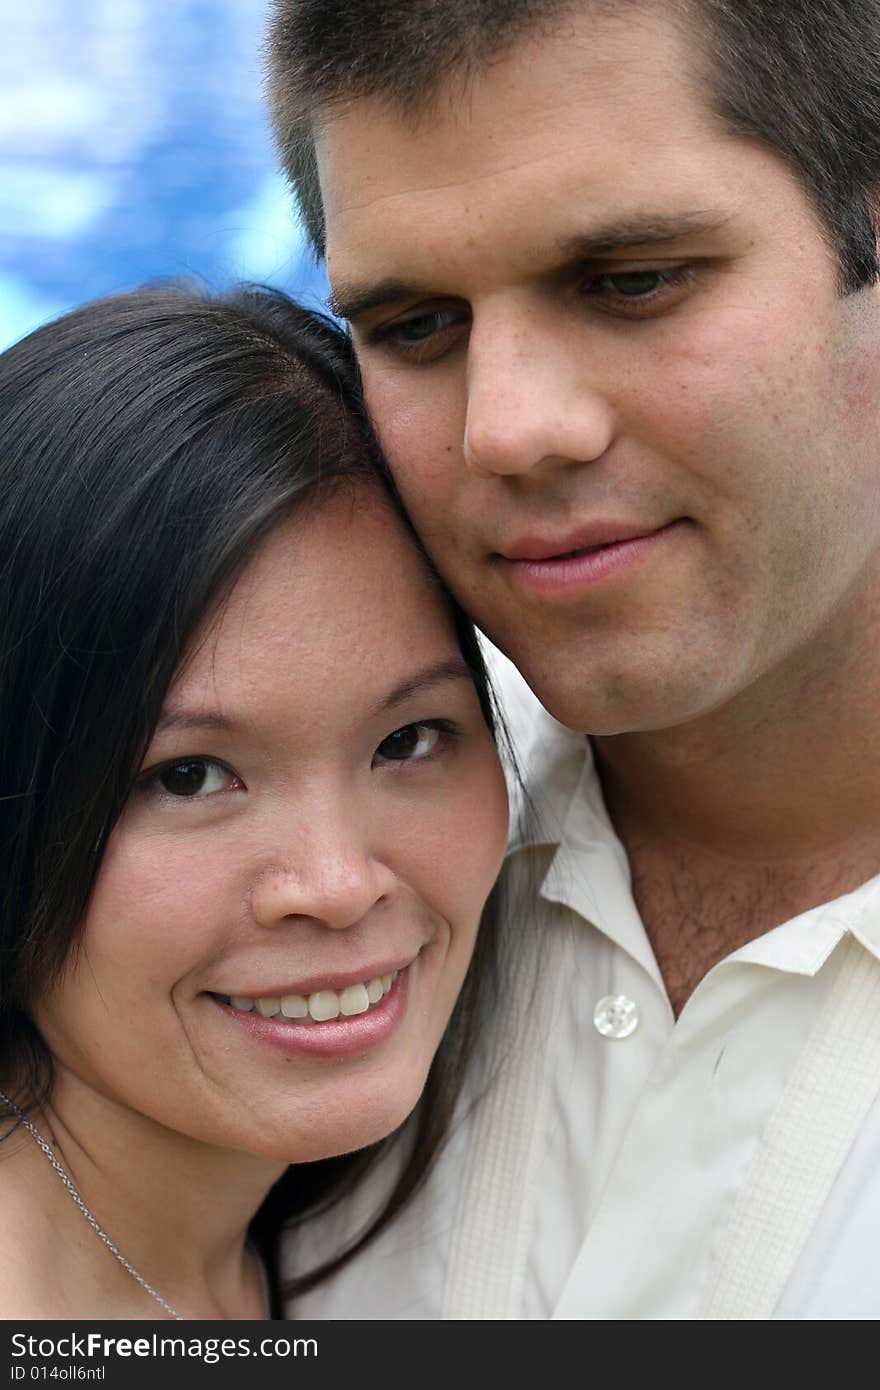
321,815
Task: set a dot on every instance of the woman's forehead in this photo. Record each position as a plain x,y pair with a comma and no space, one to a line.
338,596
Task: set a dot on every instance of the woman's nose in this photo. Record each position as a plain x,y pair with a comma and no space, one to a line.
334,886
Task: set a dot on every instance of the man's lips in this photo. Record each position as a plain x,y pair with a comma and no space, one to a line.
594,536
562,567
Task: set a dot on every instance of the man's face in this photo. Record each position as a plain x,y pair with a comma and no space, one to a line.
623,401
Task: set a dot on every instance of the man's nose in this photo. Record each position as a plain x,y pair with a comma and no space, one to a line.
530,401
330,875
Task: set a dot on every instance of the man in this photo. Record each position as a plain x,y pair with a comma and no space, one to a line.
611,274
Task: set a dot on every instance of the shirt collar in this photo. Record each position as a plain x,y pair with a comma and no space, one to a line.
802,945
563,808
558,802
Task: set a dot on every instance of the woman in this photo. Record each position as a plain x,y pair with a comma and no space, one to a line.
250,806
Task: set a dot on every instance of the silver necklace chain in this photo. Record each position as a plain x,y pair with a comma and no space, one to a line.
98,1229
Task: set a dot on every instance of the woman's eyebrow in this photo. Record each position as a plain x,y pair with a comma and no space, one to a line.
192,719
452,669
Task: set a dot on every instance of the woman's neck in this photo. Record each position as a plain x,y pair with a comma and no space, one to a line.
178,1210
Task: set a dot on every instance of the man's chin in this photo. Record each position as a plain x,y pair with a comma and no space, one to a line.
607,703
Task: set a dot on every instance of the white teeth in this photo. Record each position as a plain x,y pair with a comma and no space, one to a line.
354,1000
324,1005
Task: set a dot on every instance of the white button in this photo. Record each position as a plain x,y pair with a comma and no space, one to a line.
616,1016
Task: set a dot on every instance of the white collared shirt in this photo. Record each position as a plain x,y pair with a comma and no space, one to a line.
600,1174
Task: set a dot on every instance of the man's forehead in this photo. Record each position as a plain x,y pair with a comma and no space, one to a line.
592,99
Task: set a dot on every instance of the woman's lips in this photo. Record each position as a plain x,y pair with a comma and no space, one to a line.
578,567
319,1001
336,1037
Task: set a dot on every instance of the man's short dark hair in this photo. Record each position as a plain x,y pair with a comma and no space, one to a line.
803,76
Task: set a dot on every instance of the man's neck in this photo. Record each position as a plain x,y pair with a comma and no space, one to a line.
753,814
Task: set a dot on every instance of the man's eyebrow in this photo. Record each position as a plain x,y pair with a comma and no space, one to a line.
643,229
351,300
452,669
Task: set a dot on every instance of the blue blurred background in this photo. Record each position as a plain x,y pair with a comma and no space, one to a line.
134,145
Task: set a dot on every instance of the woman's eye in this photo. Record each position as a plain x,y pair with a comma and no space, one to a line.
193,777
412,742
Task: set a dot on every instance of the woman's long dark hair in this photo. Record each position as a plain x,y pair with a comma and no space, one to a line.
148,444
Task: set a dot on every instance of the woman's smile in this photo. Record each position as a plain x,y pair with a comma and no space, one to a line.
317,1005
325,1030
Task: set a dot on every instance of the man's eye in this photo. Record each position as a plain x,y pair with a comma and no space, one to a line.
194,777
412,742
636,291
633,283
421,337
419,329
